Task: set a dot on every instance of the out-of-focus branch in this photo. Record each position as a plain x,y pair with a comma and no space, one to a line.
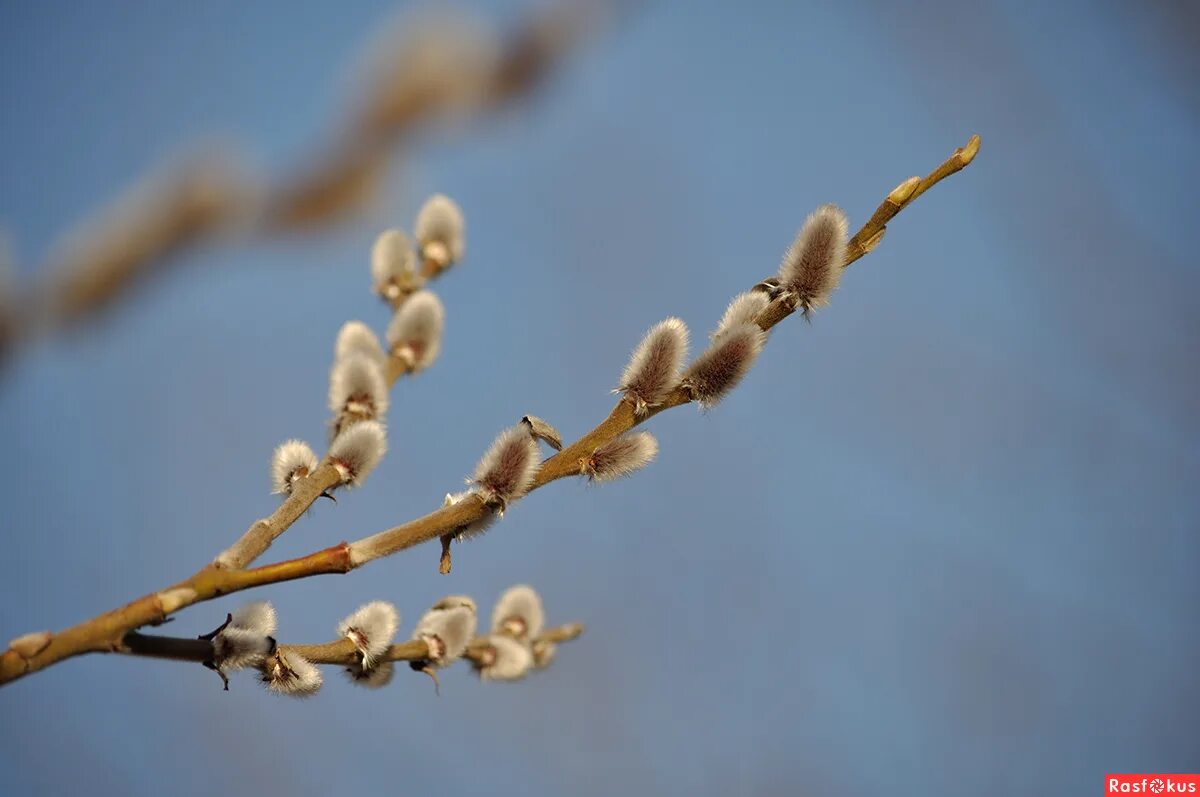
436,69
106,632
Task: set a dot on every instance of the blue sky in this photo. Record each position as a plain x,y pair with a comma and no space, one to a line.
946,534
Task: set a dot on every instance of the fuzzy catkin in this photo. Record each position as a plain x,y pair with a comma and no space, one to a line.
293,460
653,368
723,364
447,632
744,308
392,260
371,628
519,613
812,265
355,337
357,384
504,659
440,230
288,673
508,467
357,450
620,456
415,331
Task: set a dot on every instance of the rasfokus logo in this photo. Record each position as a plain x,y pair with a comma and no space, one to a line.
1158,783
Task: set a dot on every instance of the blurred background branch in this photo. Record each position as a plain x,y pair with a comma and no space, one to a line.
424,72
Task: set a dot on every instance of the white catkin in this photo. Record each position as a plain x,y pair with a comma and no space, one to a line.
292,461
355,337
507,659
415,331
477,527
392,259
246,639
371,628
447,631
812,266
744,308
508,467
621,456
653,368
357,450
374,677
440,221
358,379
519,613
721,367
288,673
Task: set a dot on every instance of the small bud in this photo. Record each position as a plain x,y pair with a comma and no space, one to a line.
371,629
356,451
357,387
439,228
355,337
620,456
415,332
519,613
543,653
376,677
543,431
812,265
447,633
507,469
503,659
471,529
653,370
291,462
245,639
901,193
393,265
723,364
29,645
744,308
286,672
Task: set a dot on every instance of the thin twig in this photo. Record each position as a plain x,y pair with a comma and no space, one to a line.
340,652
106,632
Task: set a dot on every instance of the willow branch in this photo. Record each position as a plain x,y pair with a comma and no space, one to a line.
107,631
340,652
305,492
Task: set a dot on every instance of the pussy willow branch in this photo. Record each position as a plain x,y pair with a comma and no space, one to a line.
208,198
107,631
255,541
340,652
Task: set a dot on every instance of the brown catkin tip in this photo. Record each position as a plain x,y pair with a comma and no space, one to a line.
723,364
508,466
653,369
812,265
620,457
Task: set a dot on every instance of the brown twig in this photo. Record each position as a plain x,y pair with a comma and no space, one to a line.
106,632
